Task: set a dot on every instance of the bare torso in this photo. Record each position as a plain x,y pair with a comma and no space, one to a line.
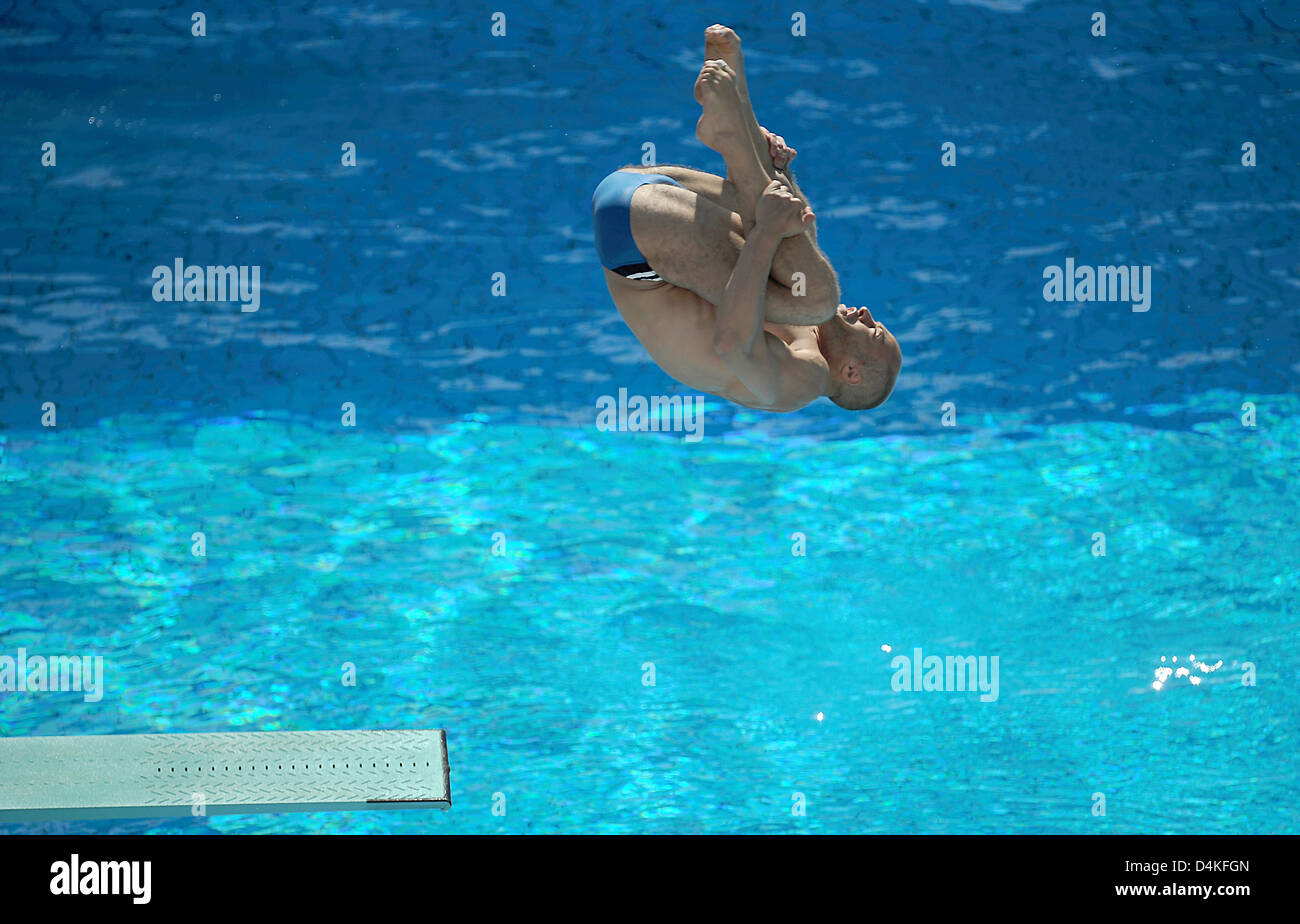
676,328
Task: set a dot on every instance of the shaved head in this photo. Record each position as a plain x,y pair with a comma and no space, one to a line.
876,384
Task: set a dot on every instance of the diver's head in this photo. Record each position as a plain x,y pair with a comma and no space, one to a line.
863,356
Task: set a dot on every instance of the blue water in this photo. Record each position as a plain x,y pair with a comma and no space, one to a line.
476,428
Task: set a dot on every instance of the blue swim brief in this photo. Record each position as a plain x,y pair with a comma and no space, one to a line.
611,212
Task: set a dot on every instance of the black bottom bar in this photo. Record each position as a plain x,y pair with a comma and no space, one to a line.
924,874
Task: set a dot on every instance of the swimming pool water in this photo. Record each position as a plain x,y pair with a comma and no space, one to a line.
494,564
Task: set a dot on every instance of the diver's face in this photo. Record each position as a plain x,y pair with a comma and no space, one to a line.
867,332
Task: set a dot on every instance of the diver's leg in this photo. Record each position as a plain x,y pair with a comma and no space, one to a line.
798,264
716,189
694,243
722,43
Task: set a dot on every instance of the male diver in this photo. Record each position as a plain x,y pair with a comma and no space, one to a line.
704,269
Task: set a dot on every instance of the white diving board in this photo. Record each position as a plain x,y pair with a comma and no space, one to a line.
135,776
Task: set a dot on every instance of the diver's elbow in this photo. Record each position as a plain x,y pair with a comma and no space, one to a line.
726,342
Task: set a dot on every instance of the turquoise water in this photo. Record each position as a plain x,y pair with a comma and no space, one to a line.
615,628
326,547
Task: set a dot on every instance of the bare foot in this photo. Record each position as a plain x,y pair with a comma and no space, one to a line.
722,125
721,43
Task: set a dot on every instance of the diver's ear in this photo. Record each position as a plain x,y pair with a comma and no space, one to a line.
850,372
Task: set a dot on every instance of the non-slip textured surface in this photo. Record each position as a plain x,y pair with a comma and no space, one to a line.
116,776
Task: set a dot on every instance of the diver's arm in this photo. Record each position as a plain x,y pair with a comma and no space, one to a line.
738,335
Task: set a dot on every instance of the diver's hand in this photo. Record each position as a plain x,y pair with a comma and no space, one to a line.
781,152
781,211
